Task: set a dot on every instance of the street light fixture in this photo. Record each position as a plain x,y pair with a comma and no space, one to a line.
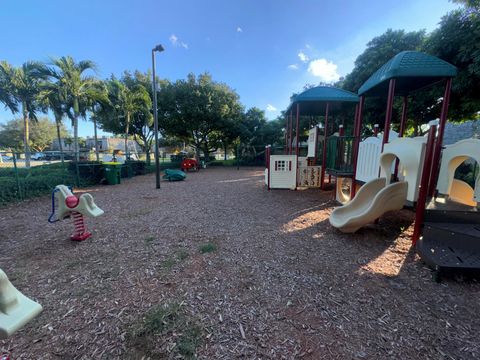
158,48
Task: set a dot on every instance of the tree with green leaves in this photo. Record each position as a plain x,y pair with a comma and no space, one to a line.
127,111
42,134
20,89
128,102
379,50
79,89
457,41
197,110
52,97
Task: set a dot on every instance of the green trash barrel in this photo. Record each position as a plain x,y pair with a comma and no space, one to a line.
113,172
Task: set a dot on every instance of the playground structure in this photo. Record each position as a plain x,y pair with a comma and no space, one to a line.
388,170
15,308
290,170
189,164
446,232
76,207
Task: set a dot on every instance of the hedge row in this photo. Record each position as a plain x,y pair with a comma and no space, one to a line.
32,185
41,180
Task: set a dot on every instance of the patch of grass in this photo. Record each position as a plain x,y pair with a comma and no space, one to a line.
163,322
208,248
168,263
189,340
149,240
182,254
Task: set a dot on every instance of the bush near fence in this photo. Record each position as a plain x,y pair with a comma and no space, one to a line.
36,181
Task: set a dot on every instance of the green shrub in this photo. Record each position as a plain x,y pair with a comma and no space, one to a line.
90,172
35,183
138,167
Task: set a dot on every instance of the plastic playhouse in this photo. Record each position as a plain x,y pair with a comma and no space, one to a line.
290,170
65,204
387,171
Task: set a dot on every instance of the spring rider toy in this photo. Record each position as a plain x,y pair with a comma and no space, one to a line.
15,308
76,207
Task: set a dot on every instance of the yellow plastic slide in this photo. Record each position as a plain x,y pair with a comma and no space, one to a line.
372,200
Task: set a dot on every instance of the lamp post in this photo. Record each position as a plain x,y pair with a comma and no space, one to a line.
158,48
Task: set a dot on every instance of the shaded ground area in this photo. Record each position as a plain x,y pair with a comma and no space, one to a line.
219,267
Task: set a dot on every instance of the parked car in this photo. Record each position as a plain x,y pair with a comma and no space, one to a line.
38,156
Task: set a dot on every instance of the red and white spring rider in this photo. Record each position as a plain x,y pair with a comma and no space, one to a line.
76,207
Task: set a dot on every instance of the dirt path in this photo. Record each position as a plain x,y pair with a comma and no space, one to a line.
275,280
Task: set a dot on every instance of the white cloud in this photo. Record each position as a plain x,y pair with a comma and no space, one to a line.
293,67
324,69
270,107
239,29
302,56
173,39
176,41
308,46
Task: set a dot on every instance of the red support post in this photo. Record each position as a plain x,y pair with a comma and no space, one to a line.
403,122
324,153
341,130
422,196
298,139
438,144
297,131
388,114
290,141
286,135
356,142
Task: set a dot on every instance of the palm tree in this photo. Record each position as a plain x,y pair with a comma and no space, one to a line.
79,89
6,92
128,101
52,97
99,100
21,91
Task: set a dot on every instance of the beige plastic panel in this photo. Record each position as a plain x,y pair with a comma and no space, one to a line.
452,156
410,152
372,201
462,193
15,308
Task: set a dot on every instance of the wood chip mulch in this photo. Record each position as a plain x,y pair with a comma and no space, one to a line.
280,282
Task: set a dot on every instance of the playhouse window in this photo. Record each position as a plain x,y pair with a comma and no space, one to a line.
282,165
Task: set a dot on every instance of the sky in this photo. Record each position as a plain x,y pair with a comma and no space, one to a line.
264,49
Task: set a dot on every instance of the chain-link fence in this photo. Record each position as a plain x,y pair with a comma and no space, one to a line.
22,179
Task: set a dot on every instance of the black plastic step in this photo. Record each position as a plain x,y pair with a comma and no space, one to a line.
452,216
455,229
450,245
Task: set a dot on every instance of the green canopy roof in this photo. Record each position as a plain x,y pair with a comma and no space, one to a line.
313,101
412,70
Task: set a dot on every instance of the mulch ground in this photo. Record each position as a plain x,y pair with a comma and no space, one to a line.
276,282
